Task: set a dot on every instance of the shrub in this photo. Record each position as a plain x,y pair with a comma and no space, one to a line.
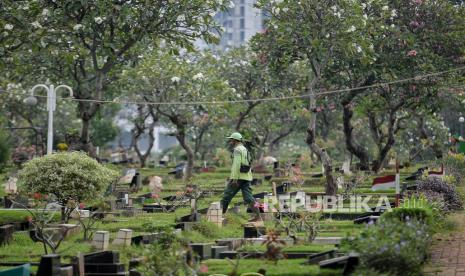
393,247
455,166
70,177
222,157
422,215
435,189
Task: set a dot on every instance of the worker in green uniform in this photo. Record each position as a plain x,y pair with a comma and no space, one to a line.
241,176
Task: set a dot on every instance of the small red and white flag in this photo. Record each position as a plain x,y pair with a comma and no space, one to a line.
386,182
437,174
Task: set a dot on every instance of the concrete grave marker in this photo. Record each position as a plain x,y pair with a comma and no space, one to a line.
128,176
215,214
123,237
101,240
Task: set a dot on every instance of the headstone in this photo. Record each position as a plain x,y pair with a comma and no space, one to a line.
203,250
123,237
101,240
346,167
327,240
366,219
49,265
7,202
102,257
155,184
215,214
128,176
253,231
6,234
10,186
321,256
231,243
217,249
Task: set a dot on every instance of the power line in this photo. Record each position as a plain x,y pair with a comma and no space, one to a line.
337,91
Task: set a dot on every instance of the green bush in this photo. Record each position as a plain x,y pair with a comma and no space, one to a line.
393,246
422,215
455,165
70,177
4,150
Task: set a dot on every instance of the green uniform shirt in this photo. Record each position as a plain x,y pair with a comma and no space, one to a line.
240,158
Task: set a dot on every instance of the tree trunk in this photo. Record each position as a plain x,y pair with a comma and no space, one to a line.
331,187
379,138
181,137
424,135
352,146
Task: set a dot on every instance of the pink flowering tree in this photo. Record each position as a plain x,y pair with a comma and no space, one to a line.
411,39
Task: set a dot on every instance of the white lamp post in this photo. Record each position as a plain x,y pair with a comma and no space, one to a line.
51,106
461,121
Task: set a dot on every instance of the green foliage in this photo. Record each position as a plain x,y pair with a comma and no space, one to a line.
455,165
392,246
103,131
70,177
4,150
422,215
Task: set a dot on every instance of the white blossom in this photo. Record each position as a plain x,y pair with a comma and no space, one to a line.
385,8
78,27
36,24
8,27
358,48
175,79
351,29
99,20
285,9
198,76
393,13
45,12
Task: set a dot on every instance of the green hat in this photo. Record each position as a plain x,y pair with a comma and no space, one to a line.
236,136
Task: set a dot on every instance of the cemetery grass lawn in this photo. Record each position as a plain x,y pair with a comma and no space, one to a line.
22,248
283,267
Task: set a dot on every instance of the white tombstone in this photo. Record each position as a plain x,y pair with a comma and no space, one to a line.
215,214
101,240
346,167
123,237
127,178
155,184
340,182
10,186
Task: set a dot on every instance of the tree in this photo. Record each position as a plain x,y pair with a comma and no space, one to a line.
407,40
87,42
310,32
4,150
144,125
70,177
170,82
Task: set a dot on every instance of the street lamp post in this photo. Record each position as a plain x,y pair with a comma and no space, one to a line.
51,106
461,121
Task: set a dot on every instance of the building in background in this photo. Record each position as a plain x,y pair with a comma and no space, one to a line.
240,23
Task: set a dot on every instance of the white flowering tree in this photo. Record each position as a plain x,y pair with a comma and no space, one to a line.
85,43
170,82
312,32
70,178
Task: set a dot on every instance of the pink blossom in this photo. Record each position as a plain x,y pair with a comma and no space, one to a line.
189,189
412,53
418,2
414,24
203,268
81,205
256,204
413,87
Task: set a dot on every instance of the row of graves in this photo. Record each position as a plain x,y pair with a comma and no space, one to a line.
286,200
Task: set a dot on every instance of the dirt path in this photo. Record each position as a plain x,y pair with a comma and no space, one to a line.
448,251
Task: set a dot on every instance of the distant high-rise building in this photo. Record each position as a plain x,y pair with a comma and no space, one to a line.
240,23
